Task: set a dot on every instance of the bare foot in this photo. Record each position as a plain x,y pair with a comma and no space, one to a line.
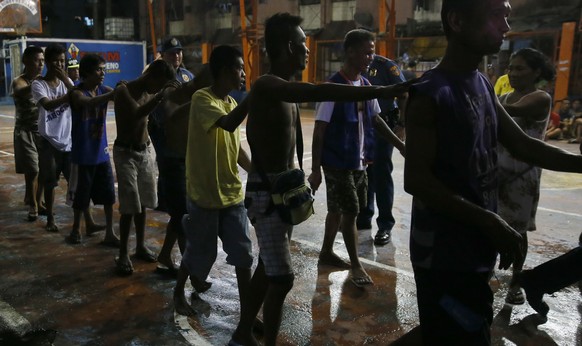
123,265
331,259
181,305
51,226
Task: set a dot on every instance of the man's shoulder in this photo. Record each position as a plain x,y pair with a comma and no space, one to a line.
184,75
384,68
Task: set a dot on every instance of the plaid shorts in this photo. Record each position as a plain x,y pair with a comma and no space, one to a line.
273,234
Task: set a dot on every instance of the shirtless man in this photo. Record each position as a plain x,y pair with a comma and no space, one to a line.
271,133
26,136
134,157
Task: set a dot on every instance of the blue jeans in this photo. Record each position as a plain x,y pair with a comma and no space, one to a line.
380,186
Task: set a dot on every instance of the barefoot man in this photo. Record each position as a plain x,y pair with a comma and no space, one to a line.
134,157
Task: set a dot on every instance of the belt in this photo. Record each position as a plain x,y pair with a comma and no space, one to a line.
134,147
257,186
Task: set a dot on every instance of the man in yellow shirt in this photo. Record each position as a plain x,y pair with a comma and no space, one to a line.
215,195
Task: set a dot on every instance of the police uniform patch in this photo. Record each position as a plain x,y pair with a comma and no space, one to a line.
395,71
185,77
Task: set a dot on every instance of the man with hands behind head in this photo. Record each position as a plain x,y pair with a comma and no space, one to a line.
134,156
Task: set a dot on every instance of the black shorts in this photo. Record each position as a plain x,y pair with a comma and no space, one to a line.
52,163
91,183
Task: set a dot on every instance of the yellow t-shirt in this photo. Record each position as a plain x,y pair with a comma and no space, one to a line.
212,179
502,85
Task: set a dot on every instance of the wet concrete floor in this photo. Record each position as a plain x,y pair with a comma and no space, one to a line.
74,289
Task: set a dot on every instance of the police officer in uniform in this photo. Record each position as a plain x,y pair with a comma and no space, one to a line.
172,54
382,71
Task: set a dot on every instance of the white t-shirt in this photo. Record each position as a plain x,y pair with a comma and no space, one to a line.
54,125
324,111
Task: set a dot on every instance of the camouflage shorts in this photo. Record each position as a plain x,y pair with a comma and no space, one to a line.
346,190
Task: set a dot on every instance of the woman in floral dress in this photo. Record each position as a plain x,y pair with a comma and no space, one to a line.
519,182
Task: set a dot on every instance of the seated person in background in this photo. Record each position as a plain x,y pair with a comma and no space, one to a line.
553,130
576,111
566,117
577,108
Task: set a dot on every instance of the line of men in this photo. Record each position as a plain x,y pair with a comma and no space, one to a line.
456,233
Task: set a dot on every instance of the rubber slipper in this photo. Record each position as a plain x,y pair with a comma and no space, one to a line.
361,281
32,215
515,296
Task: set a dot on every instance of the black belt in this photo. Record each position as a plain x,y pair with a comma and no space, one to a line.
134,147
257,186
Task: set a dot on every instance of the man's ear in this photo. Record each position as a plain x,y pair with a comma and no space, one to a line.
290,48
455,21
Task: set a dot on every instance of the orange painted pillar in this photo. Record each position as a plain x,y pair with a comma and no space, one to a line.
564,61
308,74
381,42
152,28
205,52
245,42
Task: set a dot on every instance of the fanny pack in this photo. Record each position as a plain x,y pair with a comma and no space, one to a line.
291,197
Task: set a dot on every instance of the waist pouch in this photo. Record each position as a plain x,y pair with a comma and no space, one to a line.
291,197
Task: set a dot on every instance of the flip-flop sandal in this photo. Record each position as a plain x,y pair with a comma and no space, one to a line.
32,215
361,282
515,296
123,269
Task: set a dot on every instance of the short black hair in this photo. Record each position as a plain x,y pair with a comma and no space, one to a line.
356,37
52,51
537,60
89,63
30,52
278,32
160,69
460,6
222,56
